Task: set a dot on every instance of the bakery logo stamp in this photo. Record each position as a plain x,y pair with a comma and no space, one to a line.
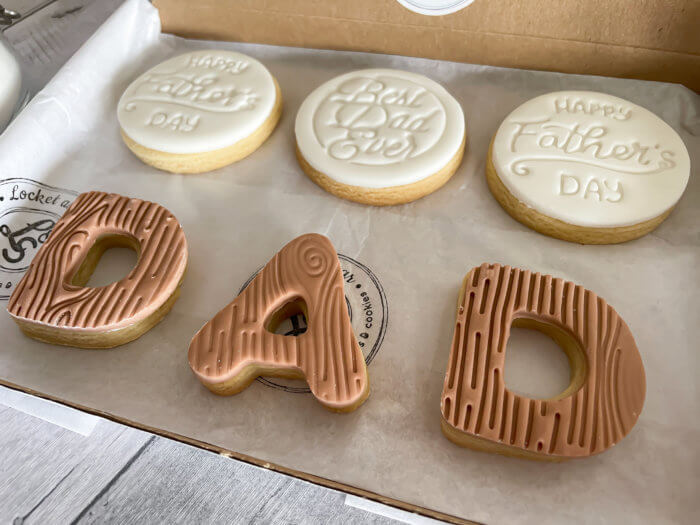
379,121
28,212
368,310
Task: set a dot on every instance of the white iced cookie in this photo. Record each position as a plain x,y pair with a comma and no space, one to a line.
380,136
199,111
10,85
587,167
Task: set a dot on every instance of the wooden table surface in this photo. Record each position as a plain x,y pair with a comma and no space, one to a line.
59,465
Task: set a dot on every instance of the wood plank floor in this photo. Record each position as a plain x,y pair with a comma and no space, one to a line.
117,474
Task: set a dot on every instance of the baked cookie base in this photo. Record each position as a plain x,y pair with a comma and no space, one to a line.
208,160
578,364
93,339
68,336
484,445
559,229
243,379
384,196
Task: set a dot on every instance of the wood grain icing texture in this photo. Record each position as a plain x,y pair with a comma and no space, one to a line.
51,302
607,387
238,344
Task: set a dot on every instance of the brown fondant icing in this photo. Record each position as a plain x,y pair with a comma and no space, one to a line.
51,292
236,345
608,383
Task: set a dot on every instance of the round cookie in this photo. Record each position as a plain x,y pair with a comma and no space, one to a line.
199,111
380,136
587,167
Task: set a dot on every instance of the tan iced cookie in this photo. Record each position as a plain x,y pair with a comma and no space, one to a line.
380,136
51,302
200,111
587,167
239,343
607,389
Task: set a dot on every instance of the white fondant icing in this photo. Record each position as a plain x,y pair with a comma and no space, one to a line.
10,85
379,128
197,102
591,159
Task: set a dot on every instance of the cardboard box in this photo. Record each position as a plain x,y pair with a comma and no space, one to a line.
653,40
154,405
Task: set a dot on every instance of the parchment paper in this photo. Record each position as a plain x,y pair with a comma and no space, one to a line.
238,217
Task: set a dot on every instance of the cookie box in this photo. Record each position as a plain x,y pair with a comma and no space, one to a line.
402,266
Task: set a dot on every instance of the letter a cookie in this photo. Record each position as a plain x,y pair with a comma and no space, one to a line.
239,343
603,400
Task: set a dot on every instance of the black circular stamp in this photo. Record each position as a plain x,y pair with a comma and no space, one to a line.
368,310
22,232
28,212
